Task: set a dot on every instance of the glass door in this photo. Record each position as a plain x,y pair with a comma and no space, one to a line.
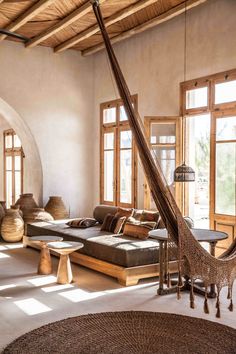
164,135
223,174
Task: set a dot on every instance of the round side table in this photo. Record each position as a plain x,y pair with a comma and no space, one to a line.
45,262
64,272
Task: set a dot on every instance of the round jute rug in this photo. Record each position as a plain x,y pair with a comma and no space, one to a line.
128,332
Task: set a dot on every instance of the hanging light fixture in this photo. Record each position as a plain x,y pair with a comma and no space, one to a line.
184,173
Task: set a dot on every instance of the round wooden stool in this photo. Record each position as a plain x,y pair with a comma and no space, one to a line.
64,272
45,262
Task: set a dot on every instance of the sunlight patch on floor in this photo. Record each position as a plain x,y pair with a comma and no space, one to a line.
51,289
44,280
8,286
3,255
2,248
32,306
79,295
14,246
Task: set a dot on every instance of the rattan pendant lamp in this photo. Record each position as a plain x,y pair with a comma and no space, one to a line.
184,173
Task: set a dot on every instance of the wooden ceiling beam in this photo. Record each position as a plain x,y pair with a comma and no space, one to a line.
38,7
177,10
128,11
65,22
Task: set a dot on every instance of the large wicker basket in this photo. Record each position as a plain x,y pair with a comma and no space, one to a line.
12,228
37,214
56,208
26,201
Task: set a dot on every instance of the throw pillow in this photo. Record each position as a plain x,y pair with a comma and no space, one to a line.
109,223
138,229
120,225
124,212
82,223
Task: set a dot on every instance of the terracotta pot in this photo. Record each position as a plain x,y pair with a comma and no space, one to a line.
37,214
17,207
12,228
56,208
2,213
26,201
3,203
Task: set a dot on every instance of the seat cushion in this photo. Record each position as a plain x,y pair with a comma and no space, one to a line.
116,249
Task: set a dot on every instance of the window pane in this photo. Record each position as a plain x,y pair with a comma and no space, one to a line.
125,139
9,188
225,178
163,133
8,163
8,141
108,175
226,128
17,184
108,141
198,157
123,115
126,176
17,142
196,98
109,115
225,92
17,163
166,158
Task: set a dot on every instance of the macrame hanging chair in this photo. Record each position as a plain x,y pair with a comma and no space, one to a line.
194,261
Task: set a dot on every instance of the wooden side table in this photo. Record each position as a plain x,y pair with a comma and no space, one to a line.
64,272
45,262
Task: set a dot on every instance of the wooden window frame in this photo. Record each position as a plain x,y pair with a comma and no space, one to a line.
215,111
117,127
13,151
178,136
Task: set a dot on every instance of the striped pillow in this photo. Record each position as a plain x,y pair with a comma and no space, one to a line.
82,223
120,225
109,223
138,229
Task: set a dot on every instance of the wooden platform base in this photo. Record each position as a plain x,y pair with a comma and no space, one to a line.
125,276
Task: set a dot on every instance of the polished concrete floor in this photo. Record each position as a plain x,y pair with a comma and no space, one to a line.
28,300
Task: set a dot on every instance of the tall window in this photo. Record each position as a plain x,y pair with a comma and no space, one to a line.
209,108
13,167
118,156
164,139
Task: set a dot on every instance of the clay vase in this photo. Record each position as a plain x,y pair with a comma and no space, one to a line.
12,228
56,208
37,214
2,213
17,207
3,204
26,201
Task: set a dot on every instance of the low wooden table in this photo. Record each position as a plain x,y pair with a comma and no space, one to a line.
202,235
45,262
64,272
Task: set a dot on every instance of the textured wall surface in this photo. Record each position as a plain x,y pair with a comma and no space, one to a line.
53,94
152,63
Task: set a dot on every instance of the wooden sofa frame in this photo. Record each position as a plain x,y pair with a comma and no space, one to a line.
125,276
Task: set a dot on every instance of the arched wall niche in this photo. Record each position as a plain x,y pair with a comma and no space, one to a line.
33,175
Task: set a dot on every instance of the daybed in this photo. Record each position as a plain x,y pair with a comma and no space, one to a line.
125,258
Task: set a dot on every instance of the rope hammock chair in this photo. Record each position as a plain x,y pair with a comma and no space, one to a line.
194,261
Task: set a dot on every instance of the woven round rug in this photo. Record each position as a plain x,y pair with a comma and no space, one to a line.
128,332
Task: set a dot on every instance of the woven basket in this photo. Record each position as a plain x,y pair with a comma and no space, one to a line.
26,201
12,228
17,207
2,213
3,204
56,208
37,214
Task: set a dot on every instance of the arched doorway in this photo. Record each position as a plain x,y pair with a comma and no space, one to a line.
33,182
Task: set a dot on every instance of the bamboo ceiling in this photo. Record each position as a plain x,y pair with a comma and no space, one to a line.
71,24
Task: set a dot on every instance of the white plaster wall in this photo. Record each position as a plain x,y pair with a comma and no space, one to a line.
152,63
53,94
